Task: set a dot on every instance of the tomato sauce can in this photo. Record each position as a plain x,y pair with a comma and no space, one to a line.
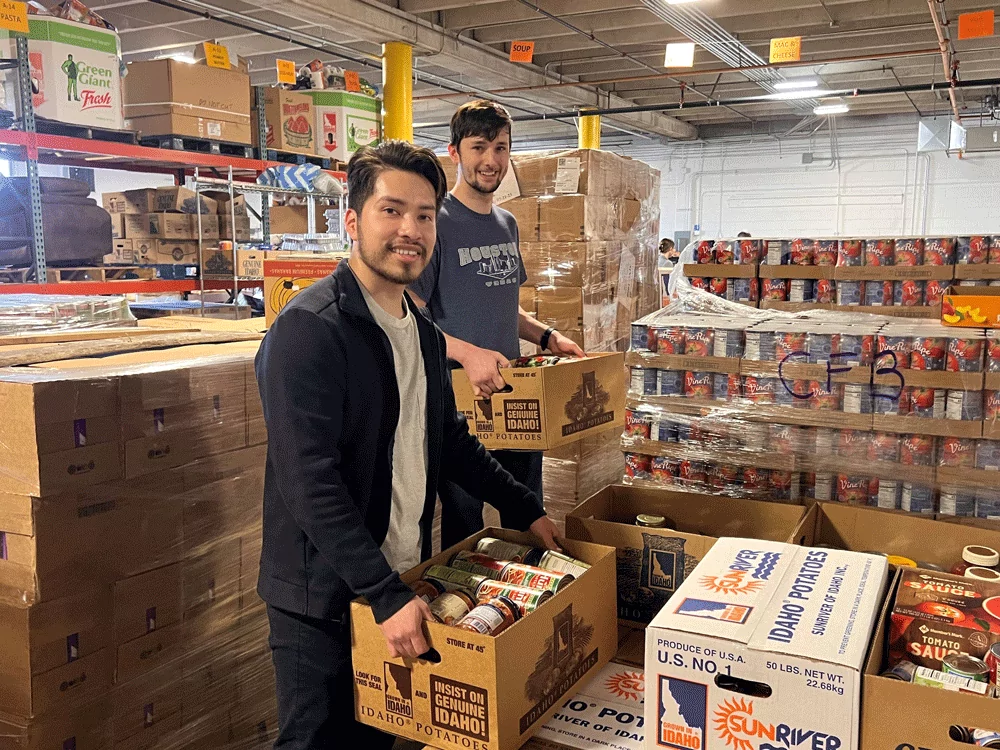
638,466
991,405
759,390
894,351
759,346
638,423
705,253
958,452
698,385
718,286
928,353
451,607
499,549
883,446
929,403
993,662
825,291
916,450
788,343
478,563
988,455
878,293
825,253
533,577
850,253
908,293
643,338
888,493
801,290
699,282
801,252
725,254
748,252
849,293
785,486
909,251
491,617
880,252
670,382
956,502
853,444
854,349
820,347
784,438
972,250
453,579
693,472
669,340
917,498
853,490
823,399
559,562
755,478
699,342
934,292
993,355
774,290
965,355
720,387
527,600
665,470
891,400
994,255
644,381
857,398
744,290
939,251
966,406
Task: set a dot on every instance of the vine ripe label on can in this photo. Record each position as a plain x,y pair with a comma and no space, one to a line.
909,251
526,599
670,340
939,251
880,252
535,578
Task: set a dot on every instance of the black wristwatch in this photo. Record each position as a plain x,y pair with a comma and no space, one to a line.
543,342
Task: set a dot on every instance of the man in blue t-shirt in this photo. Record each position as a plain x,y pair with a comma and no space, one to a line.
471,288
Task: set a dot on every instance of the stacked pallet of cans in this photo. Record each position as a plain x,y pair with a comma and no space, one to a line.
728,269
978,262
885,412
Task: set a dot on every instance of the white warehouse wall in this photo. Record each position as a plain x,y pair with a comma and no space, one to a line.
877,185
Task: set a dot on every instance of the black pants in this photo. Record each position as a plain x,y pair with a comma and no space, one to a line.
462,514
315,685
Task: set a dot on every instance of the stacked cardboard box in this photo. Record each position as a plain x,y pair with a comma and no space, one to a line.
131,531
574,472
160,226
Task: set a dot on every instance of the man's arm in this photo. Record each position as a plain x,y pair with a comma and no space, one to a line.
531,329
303,400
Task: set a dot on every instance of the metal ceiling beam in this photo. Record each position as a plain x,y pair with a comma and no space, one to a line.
432,6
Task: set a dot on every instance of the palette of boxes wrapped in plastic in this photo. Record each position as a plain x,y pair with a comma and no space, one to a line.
885,412
901,276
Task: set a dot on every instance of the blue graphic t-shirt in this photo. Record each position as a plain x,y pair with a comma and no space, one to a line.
471,284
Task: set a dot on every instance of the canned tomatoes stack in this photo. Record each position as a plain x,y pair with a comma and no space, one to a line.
790,283
721,277
489,589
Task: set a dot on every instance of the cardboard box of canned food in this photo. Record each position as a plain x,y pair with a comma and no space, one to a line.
489,692
653,562
545,407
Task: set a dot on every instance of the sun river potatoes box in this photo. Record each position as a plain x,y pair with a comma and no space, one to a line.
763,647
483,692
545,407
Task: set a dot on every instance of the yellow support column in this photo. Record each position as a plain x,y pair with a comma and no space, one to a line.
590,131
397,91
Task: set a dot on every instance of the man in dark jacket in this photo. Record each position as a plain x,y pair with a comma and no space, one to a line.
362,430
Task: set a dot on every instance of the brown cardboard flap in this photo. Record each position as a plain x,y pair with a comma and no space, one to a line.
677,362
720,271
145,654
147,602
980,272
70,685
893,273
796,272
918,425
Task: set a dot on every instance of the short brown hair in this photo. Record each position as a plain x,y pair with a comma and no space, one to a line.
370,161
479,119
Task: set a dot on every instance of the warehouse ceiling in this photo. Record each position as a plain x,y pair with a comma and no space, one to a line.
583,48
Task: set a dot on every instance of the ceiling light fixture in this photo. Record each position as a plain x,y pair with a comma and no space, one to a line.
797,83
679,55
831,109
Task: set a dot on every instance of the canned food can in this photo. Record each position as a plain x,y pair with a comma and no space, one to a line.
916,450
965,405
748,252
929,403
490,618
994,254
801,290
670,382
638,423
705,252
909,251
785,438
960,734
820,347
787,344
756,478
883,446
934,292
718,286
917,498
743,290
964,665
451,607
880,252
795,393
725,253
928,353
987,505
825,292
670,340
939,251
775,290
638,466
993,662
972,250
801,252
759,390
908,293
427,590
527,600
478,563
664,470
643,338
822,488
958,452
889,494
993,355
894,351
785,486
533,577
693,472
453,579
853,444
499,549
850,253
891,400
825,253
991,405
698,385
643,381
902,671
720,387
849,293
965,355
760,346
852,490
878,293
664,429
988,455
854,349
775,252
857,398
560,562
728,343
823,399
699,342
700,283
986,738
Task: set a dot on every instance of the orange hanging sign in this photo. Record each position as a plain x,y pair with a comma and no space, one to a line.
522,52
14,16
216,56
786,49
976,25
352,81
286,71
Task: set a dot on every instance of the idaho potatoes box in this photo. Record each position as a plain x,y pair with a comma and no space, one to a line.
489,693
284,278
547,406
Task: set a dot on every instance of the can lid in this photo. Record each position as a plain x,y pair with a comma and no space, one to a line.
982,574
984,557
900,562
650,520
510,604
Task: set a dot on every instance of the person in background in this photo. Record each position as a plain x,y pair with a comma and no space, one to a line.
668,254
471,290
743,236
363,432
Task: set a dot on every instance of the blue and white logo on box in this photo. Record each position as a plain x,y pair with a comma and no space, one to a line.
683,712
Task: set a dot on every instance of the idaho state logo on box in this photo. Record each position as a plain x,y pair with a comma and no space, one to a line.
586,408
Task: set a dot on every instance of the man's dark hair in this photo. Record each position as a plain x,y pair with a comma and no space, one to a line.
743,235
479,119
370,161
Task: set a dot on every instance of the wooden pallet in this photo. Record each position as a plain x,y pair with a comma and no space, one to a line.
286,157
55,127
15,275
201,145
172,271
97,273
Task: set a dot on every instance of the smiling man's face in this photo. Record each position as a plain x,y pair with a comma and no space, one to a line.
483,163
